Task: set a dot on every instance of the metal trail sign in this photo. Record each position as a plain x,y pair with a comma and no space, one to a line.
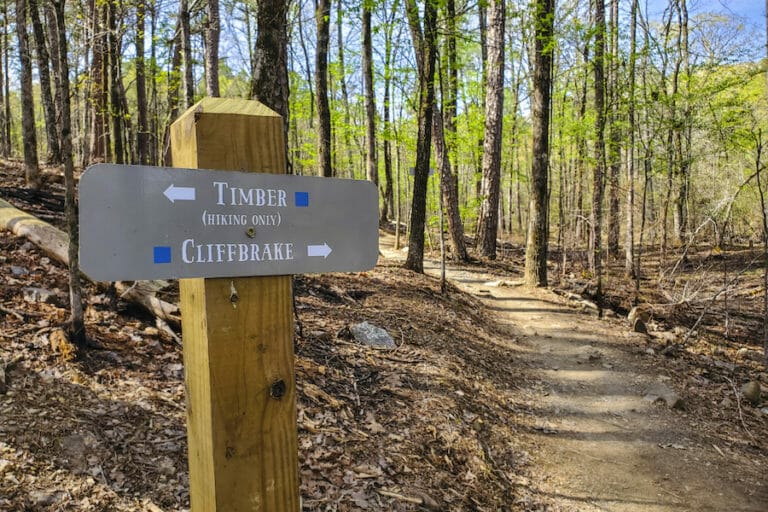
140,222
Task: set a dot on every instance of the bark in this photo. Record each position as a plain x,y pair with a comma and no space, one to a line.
371,155
115,98
270,77
598,175
427,48
322,20
142,129
614,134
76,322
343,83
629,244
387,208
97,147
212,34
538,230
29,136
5,104
188,80
494,112
46,97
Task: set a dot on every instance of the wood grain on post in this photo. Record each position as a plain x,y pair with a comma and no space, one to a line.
238,337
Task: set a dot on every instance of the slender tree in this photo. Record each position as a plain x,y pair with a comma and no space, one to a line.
494,115
371,155
46,97
185,35
614,132
629,239
269,82
29,136
76,325
538,228
212,35
142,129
598,174
323,23
427,47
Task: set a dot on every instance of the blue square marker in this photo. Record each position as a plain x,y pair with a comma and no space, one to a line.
301,199
162,254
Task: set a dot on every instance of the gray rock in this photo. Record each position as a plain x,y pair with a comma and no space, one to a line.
46,498
588,354
751,392
18,271
40,295
372,336
662,393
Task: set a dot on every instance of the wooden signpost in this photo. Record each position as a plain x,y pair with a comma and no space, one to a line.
140,223
238,337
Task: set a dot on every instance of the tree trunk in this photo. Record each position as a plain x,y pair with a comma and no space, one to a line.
427,47
614,133
142,129
76,327
322,20
5,104
115,99
188,81
344,93
371,155
494,116
46,98
388,207
29,135
629,244
598,175
212,34
538,229
270,77
97,148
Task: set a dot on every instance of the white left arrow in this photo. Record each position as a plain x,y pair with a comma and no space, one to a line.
180,193
319,250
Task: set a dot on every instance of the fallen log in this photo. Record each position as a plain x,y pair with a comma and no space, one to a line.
55,243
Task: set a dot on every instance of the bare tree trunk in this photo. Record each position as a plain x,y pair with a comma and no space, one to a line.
388,208
29,136
614,133
142,130
270,77
46,97
494,116
629,239
371,154
598,174
322,20
115,97
343,82
5,108
76,326
425,46
188,81
98,145
5,136
212,34
538,228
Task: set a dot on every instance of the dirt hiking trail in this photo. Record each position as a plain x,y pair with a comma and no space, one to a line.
603,436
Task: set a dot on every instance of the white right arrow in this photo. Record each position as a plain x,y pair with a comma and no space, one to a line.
319,250
180,193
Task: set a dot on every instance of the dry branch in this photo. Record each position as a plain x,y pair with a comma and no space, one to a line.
55,242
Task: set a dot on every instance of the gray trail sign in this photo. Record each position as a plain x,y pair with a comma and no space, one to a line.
139,222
